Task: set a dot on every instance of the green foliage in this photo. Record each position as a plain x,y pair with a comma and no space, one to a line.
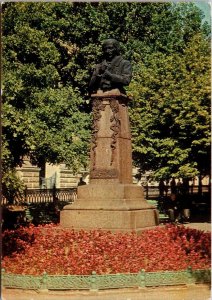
49,52
43,115
12,187
170,112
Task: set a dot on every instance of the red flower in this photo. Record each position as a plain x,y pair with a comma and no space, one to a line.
33,250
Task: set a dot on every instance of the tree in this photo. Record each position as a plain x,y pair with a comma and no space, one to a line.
49,51
171,111
42,113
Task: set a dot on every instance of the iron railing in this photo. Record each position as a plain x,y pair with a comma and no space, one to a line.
70,194
47,195
152,192
108,281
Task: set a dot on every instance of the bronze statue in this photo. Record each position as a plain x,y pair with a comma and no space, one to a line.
113,72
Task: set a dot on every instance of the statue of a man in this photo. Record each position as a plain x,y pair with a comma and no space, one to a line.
113,72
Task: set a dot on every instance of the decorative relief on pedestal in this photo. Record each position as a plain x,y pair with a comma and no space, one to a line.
115,127
104,174
98,106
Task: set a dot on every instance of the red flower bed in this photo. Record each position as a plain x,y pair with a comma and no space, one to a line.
33,250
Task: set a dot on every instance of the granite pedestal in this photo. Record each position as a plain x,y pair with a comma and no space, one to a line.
110,201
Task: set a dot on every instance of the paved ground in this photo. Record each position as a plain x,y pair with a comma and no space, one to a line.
196,292
192,292
206,226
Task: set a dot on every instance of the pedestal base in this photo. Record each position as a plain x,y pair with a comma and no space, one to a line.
114,207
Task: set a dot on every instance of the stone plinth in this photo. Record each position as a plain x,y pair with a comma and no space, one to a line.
110,201
115,207
111,150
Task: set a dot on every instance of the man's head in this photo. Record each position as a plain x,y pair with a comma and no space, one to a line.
110,48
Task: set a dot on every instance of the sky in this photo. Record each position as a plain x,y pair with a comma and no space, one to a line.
206,8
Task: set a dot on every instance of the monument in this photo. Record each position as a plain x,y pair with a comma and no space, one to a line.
110,201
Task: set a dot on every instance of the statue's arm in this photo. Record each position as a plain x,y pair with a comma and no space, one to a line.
95,78
125,76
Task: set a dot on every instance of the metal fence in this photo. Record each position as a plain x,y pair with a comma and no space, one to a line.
70,194
152,192
47,195
96,282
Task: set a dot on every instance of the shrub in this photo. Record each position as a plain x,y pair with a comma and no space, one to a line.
12,186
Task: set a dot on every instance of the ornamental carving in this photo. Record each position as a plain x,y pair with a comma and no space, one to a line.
115,126
98,106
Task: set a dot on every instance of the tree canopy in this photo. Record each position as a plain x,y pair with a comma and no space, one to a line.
49,51
170,114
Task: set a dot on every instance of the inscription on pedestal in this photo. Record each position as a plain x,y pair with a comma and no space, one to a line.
104,174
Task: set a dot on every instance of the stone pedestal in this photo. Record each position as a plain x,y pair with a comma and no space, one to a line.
110,201
111,149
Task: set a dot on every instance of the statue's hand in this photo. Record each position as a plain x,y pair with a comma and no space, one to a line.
107,75
98,70
102,69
